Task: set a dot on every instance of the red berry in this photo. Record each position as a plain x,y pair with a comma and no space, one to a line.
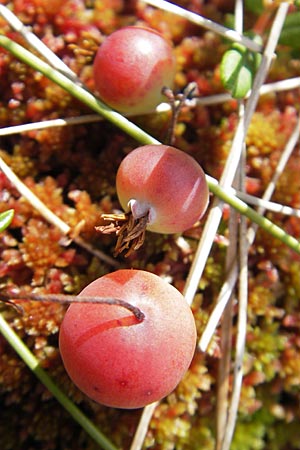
118,361
131,67
165,183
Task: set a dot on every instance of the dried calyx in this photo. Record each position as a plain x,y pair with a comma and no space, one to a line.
130,231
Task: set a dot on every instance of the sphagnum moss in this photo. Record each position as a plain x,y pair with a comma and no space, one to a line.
73,171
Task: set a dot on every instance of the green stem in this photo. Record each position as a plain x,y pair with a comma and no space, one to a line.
141,136
77,91
255,217
31,361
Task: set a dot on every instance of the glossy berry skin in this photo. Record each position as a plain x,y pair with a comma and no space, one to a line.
165,181
131,67
118,361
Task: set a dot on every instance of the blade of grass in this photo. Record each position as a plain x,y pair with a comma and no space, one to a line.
49,215
240,334
226,290
266,204
276,86
211,226
30,360
232,276
258,219
33,199
88,118
143,426
226,338
141,136
226,417
226,329
36,43
240,338
76,91
205,23
230,168
215,316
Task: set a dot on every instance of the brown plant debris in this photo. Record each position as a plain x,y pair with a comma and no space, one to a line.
130,231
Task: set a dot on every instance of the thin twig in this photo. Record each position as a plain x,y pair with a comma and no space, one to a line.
210,228
229,171
88,118
226,337
33,199
276,86
211,225
52,218
232,276
240,338
224,364
16,294
242,309
37,44
164,2
141,136
77,91
176,103
143,426
205,23
266,205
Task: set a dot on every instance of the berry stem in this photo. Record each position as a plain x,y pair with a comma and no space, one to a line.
176,102
66,299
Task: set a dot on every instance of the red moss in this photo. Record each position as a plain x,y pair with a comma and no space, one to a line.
72,170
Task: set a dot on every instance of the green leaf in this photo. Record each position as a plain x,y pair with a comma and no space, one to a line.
290,34
238,68
5,219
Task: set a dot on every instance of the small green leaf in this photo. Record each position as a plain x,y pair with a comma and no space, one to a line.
5,219
238,68
290,34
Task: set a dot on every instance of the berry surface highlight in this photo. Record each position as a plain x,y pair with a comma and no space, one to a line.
131,67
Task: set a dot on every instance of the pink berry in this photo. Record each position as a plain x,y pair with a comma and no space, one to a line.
118,361
165,183
131,67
